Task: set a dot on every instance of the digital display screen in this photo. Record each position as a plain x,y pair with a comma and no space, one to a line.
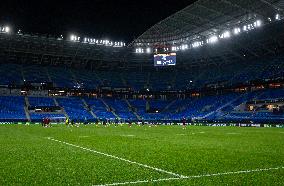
165,59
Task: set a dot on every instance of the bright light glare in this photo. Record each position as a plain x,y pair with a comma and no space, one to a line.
277,17
226,34
139,50
183,47
148,50
7,29
212,39
257,23
237,31
196,44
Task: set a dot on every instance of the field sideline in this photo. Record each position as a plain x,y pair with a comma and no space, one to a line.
140,155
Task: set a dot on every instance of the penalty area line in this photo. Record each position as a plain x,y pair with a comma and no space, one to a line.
119,158
191,177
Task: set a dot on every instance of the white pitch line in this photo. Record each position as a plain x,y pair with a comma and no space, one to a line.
190,177
122,159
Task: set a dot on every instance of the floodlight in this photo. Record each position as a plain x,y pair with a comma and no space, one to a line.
7,29
148,50
226,34
212,39
185,46
237,31
258,23
277,17
250,27
139,50
182,47
196,44
72,37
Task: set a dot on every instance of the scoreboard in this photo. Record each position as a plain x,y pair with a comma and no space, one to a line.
168,59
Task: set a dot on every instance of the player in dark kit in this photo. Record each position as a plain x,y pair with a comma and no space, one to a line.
129,122
104,122
184,122
116,122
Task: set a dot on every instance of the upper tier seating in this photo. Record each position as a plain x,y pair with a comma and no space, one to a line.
154,79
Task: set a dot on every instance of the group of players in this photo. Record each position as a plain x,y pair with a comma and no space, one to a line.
46,122
117,122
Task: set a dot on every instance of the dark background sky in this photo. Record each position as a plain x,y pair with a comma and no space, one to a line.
114,19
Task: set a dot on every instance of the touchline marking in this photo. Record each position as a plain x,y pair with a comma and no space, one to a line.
190,177
122,159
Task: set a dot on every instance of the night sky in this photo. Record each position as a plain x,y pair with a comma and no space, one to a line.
112,19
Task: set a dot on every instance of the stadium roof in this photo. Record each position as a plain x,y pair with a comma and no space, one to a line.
208,17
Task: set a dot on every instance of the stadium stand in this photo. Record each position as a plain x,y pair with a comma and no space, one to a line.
12,108
41,101
212,83
75,109
99,108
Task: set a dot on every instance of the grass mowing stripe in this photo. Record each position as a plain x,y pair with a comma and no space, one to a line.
122,159
191,177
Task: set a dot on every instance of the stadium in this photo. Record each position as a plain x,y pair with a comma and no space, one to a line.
196,99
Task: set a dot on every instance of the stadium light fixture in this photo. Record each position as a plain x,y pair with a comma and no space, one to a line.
74,38
237,31
258,23
250,27
197,44
277,17
7,29
139,50
148,50
184,47
212,39
226,34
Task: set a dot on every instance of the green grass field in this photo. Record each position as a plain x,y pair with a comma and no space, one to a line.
163,155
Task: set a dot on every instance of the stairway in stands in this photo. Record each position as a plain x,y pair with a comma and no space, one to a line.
87,107
107,107
132,110
27,104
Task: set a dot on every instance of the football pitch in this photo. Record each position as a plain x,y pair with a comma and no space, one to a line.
140,155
